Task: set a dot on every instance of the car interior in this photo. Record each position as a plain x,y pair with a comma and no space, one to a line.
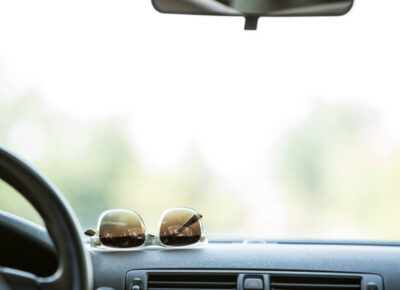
121,254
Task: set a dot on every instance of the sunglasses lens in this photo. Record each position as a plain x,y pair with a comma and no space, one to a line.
180,227
121,229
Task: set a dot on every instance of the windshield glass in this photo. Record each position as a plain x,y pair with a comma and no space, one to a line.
291,131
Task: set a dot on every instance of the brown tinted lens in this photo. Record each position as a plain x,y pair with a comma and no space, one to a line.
121,229
180,227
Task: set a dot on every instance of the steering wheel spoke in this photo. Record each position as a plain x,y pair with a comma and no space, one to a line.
17,279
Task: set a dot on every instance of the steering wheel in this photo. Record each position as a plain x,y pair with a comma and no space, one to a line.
74,266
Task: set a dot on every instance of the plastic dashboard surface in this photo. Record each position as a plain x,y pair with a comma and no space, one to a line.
115,268
112,268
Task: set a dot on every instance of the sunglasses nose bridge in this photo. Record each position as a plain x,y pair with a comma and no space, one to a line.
151,240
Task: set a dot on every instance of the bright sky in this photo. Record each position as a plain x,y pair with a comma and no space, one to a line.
188,81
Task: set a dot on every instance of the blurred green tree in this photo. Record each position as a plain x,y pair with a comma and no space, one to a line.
95,167
83,160
333,173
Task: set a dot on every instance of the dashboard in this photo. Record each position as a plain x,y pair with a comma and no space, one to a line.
218,265
279,266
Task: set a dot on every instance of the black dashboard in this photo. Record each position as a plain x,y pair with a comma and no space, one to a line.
291,266
214,266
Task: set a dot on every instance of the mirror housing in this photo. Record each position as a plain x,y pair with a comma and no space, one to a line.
253,9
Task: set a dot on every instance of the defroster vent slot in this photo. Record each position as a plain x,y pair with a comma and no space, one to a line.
189,281
310,282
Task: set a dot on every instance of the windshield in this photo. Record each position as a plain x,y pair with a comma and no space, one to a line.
291,131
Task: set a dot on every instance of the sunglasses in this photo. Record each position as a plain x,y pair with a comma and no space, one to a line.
121,228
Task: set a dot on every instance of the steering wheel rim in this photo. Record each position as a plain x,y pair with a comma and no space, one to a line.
75,268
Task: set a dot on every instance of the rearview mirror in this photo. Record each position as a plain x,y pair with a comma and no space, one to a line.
253,9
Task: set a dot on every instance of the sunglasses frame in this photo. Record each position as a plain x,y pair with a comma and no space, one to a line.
150,239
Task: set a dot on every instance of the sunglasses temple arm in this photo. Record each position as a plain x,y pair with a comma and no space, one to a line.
191,221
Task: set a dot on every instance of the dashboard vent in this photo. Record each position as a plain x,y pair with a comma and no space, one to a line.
189,281
303,282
